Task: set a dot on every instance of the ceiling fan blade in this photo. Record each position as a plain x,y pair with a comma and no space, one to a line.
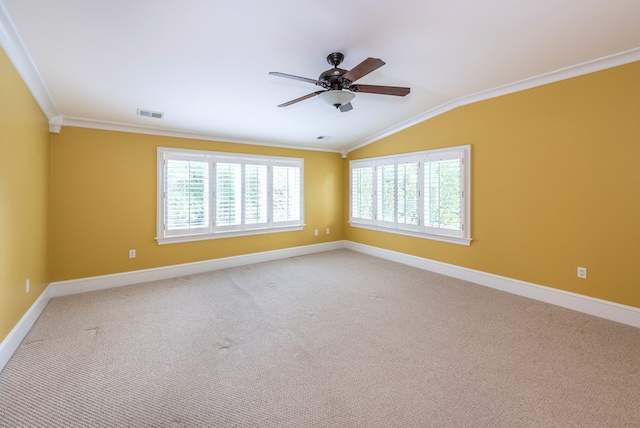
362,69
384,90
291,76
297,100
346,107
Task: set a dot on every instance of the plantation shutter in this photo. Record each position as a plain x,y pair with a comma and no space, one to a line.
362,192
443,191
186,194
386,197
255,195
424,194
408,194
228,194
205,195
287,203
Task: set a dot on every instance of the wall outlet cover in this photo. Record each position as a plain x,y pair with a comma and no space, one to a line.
582,272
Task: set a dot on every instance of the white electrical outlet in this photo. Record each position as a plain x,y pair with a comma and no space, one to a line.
582,272
315,232
132,254
27,285
328,231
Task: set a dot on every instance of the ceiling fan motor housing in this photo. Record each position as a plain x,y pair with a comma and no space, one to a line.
331,79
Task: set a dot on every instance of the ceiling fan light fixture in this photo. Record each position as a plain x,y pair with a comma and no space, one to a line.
336,97
338,85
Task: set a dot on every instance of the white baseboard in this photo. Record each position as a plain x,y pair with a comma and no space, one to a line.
83,285
590,305
17,334
601,308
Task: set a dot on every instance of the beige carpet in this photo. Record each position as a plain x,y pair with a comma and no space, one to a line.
337,339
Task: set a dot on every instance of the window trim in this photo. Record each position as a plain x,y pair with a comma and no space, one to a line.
422,231
213,232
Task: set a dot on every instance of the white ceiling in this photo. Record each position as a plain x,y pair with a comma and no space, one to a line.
205,63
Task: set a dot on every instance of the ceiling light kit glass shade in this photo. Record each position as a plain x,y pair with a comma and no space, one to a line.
336,98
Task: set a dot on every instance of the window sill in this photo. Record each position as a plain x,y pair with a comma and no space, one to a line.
415,234
220,235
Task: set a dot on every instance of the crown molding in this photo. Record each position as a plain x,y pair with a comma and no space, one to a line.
577,70
13,46
137,129
581,69
15,49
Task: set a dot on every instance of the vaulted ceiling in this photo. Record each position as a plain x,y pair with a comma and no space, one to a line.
205,64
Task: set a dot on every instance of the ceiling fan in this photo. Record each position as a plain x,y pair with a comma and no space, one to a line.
339,84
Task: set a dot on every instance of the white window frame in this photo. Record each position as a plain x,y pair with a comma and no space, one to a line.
462,236
212,230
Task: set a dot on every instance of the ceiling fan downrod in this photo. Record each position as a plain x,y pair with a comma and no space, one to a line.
335,59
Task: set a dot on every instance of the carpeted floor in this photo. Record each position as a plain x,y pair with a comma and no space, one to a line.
336,339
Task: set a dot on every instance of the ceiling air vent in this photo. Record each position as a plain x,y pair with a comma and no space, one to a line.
149,113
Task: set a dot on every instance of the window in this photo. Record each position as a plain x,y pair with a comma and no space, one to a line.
425,194
205,195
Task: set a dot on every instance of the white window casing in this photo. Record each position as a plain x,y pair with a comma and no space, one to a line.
208,195
425,194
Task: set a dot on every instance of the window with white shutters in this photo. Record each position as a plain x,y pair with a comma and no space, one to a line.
205,195
408,194
228,194
442,192
362,192
256,195
286,190
187,195
425,194
386,192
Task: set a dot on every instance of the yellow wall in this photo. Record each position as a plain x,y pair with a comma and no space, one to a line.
103,191
24,198
555,184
